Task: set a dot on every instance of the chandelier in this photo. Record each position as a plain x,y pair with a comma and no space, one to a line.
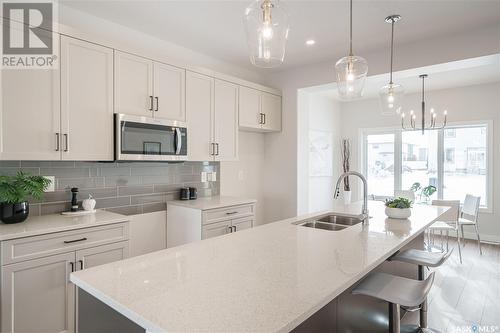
432,114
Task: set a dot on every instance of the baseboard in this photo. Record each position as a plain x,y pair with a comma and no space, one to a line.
484,238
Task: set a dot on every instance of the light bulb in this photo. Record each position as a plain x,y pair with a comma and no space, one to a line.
411,112
445,112
267,31
390,106
350,76
403,115
390,99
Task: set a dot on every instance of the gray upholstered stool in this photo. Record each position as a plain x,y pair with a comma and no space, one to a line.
397,291
422,258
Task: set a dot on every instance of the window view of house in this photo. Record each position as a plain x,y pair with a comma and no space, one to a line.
462,170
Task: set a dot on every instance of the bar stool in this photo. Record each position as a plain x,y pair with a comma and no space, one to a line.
422,258
397,291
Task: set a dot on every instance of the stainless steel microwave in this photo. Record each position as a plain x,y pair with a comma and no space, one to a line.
140,138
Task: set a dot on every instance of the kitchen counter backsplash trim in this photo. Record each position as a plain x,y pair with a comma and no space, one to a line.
125,188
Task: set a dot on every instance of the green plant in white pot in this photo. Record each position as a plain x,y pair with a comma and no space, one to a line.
398,208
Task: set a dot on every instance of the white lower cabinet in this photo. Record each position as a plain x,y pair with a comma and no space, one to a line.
37,295
187,224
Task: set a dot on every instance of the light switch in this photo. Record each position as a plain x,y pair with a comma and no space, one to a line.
52,185
214,176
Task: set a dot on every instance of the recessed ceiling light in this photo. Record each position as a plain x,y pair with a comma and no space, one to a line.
310,42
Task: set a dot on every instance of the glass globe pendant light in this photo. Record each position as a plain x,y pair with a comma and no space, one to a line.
391,95
266,25
351,70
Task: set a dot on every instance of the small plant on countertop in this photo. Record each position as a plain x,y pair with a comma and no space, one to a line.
400,203
18,188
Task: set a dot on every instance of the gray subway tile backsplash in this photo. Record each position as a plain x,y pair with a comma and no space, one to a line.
126,188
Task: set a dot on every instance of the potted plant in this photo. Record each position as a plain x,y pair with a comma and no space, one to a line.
346,156
14,194
398,208
425,192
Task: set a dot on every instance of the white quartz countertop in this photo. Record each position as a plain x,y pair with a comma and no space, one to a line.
212,202
38,225
266,279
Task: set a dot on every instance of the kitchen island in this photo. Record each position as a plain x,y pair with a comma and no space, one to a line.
268,279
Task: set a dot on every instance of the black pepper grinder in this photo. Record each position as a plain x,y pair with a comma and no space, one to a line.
74,199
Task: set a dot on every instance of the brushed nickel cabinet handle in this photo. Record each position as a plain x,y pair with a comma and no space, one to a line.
72,265
157,103
66,148
231,213
57,142
150,103
81,264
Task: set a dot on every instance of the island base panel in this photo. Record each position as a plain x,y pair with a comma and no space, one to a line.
362,314
95,316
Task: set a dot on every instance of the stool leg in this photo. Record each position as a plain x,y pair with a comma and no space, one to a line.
394,318
423,306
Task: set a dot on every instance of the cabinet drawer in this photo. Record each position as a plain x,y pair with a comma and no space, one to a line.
216,215
44,245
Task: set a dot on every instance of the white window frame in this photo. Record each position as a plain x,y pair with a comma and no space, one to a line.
398,157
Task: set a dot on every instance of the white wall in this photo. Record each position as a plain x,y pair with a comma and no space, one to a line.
316,113
244,178
473,103
281,149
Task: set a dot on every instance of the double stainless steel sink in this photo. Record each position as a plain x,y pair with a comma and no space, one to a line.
333,222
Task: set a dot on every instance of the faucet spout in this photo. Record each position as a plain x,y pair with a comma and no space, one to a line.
364,211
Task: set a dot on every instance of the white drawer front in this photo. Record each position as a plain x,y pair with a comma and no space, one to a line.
44,245
227,213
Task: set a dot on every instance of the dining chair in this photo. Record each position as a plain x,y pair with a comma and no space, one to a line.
469,216
448,221
407,194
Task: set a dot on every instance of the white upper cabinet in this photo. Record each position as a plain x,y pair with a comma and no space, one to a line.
147,88
226,121
86,101
212,110
169,92
249,108
133,85
259,110
200,109
30,114
271,110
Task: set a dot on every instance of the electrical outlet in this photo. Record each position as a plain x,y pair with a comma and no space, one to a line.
52,185
209,176
204,177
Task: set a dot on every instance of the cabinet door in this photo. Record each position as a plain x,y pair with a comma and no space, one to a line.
271,108
133,85
169,92
87,101
29,114
249,108
101,255
37,295
243,223
199,109
215,229
226,121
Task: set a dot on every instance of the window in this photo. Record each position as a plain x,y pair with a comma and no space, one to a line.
380,164
466,172
462,169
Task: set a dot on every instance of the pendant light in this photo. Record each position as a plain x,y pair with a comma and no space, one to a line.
266,25
391,95
351,70
432,115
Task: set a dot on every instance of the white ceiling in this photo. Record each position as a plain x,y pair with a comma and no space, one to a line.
216,27
468,72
